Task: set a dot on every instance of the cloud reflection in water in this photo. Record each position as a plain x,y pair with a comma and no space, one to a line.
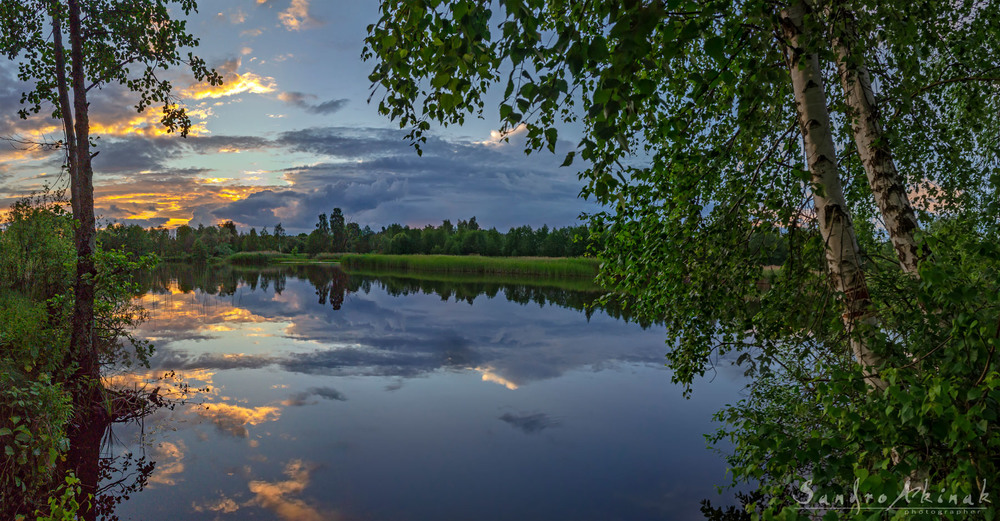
452,370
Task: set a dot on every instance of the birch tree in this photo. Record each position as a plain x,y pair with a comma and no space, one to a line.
704,123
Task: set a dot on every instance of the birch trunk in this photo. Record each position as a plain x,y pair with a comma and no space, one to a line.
843,257
886,184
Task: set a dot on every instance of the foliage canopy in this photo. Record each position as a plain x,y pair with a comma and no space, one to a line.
698,133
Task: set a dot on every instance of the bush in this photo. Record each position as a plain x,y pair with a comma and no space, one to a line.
36,248
34,412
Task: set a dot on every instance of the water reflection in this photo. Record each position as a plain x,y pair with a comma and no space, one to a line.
336,396
377,337
333,285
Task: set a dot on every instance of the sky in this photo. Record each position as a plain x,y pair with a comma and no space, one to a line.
288,136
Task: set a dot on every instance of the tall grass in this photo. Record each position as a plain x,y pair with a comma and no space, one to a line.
255,258
579,284
543,267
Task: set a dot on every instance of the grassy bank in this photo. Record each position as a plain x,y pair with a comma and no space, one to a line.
585,285
531,267
539,267
264,258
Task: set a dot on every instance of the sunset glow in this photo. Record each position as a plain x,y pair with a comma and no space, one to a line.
288,135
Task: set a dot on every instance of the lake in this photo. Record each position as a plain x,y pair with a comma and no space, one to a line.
316,394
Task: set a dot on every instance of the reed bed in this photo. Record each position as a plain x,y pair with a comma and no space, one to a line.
541,267
255,258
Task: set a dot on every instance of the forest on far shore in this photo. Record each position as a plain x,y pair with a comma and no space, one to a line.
335,234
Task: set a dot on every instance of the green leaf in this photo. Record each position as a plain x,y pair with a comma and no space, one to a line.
715,48
569,158
440,80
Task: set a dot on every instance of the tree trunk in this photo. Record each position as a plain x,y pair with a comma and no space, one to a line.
90,417
843,257
65,109
82,176
886,184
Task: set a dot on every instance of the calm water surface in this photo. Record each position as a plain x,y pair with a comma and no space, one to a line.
343,397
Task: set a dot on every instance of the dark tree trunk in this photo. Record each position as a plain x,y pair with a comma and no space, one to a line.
81,175
91,419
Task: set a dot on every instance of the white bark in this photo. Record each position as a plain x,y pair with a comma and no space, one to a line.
886,184
843,257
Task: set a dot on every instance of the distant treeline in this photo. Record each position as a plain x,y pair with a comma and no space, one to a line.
334,234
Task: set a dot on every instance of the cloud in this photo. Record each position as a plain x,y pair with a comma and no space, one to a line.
530,423
224,505
499,139
327,393
299,99
279,496
373,174
453,179
135,155
169,458
297,16
297,209
181,197
233,82
109,115
233,419
329,106
489,375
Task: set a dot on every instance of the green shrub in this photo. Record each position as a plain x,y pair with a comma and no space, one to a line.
34,412
36,247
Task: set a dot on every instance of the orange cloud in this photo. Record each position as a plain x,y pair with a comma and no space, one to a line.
174,385
233,83
170,200
147,123
224,505
233,419
175,310
490,376
276,496
169,459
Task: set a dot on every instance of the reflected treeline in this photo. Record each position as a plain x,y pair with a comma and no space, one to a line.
521,292
332,285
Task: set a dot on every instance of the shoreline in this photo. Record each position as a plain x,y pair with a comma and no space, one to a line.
534,267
